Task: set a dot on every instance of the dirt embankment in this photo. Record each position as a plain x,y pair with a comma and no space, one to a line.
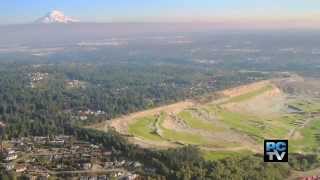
268,104
228,136
240,90
121,123
300,86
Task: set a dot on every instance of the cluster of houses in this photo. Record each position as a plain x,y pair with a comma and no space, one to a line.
60,155
75,84
37,77
128,176
85,114
316,177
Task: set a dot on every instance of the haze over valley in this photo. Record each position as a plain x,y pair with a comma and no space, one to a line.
139,96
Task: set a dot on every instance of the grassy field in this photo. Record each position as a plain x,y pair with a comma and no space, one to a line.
253,126
249,95
145,128
217,155
181,137
259,127
309,140
196,123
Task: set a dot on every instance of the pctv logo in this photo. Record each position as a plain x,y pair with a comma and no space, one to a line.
275,150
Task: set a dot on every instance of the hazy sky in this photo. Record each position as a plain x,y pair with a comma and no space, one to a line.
24,11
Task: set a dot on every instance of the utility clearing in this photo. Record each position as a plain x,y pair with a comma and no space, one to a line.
235,124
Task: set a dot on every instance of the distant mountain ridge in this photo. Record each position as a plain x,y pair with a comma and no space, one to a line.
56,17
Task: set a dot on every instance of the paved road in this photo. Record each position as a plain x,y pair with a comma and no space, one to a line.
87,171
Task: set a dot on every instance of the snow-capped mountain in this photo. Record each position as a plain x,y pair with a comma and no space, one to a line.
56,17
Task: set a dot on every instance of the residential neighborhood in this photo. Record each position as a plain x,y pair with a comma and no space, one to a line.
60,156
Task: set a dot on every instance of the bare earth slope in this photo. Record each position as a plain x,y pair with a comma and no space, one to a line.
121,123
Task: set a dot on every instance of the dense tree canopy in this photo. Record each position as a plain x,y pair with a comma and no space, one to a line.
44,110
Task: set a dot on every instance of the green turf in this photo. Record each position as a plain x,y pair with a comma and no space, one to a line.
256,127
310,140
145,128
182,137
262,127
217,155
253,126
196,123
